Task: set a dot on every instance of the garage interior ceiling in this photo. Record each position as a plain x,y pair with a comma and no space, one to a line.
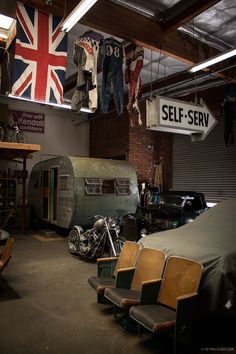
175,34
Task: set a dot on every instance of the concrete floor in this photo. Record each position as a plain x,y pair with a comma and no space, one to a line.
47,306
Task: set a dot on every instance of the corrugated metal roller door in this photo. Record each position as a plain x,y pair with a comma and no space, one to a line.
206,166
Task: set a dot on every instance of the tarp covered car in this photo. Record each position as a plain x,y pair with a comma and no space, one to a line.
211,240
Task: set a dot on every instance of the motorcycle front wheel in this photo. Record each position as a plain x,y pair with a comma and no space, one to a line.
118,244
73,239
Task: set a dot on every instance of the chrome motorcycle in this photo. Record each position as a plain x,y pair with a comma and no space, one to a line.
101,240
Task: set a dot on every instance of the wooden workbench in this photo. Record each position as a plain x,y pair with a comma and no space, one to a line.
16,150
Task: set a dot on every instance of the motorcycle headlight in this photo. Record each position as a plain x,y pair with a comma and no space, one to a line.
112,224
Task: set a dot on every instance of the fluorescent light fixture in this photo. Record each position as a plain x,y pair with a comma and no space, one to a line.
63,105
7,27
214,60
77,14
5,22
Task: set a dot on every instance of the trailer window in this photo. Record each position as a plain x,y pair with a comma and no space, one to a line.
98,186
108,186
93,186
122,185
64,181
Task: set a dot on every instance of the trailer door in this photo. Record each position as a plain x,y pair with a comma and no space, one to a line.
53,194
46,194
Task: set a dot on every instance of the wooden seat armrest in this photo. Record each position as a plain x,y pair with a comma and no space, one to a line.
4,263
185,311
149,291
186,297
147,282
107,259
126,269
124,277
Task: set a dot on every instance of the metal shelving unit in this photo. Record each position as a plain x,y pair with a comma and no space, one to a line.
17,151
7,201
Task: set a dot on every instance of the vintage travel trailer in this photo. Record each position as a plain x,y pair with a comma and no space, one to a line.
66,191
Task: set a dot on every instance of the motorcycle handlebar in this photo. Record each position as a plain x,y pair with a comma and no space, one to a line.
96,217
103,217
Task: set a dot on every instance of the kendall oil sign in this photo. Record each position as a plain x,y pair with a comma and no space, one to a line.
27,121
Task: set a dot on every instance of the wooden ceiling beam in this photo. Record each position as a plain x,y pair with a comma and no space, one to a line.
184,11
122,22
8,8
59,8
174,79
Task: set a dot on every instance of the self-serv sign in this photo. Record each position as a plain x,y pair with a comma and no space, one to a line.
180,117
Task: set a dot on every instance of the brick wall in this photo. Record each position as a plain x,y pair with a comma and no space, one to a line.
112,136
109,136
147,148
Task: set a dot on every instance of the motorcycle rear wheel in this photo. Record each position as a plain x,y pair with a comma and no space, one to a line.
20,137
118,244
73,239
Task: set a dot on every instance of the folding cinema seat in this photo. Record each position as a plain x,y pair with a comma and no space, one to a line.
107,268
130,282
5,255
173,307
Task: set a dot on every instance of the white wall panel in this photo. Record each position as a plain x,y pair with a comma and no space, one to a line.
62,136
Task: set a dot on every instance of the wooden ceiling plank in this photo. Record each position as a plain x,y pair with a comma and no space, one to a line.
119,21
122,22
41,5
8,8
184,11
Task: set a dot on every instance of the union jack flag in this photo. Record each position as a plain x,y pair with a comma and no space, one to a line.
40,56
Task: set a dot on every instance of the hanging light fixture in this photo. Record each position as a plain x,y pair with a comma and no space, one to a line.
6,26
80,10
63,105
213,60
